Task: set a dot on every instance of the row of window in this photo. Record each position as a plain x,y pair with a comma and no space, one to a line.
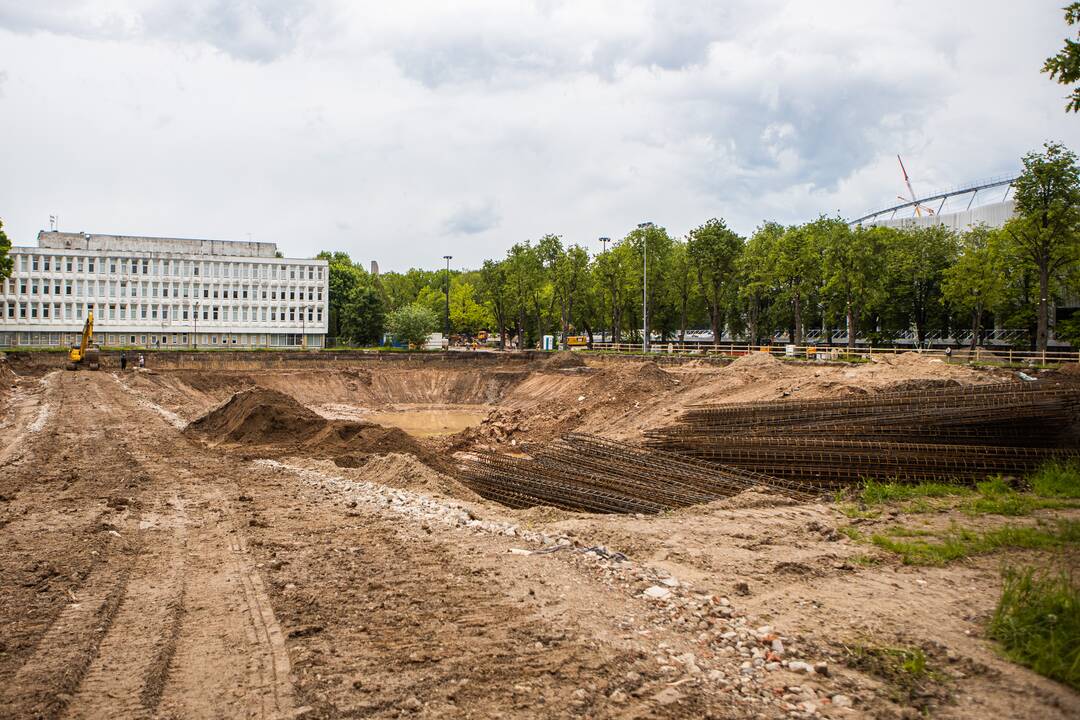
42,339
158,312
162,266
124,288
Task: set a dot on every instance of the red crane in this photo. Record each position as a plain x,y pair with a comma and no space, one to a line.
919,207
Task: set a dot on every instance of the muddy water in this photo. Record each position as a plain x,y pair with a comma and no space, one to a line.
417,420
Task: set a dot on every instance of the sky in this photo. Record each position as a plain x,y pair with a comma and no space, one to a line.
402,132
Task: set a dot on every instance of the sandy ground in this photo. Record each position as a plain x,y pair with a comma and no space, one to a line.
146,572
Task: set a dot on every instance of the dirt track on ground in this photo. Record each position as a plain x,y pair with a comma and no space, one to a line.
147,573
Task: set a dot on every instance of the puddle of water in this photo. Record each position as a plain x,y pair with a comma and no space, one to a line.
417,420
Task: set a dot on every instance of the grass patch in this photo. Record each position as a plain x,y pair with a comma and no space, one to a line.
957,543
1037,622
865,560
906,670
1057,479
851,532
876,492
995,497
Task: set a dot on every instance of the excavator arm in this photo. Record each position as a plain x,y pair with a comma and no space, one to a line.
85,351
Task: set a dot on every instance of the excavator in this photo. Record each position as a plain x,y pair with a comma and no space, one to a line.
85,353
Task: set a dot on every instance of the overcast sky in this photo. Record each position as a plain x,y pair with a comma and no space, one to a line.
405,131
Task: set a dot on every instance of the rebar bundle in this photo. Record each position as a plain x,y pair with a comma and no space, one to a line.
583,472
963,433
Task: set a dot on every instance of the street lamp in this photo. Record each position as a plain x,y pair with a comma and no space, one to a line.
604,241
646,226
446,317
196,343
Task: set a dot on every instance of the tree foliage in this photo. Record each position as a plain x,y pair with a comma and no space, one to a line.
1065,66
5,259
412,324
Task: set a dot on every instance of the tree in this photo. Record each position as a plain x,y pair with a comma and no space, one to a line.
757,285
344,275
1046,229
570,276
714,249
5,260
466,314
795,264
917,259
1065,66
852,269
683,286
412,324
975,283
525,273
656,242
496,291
362,316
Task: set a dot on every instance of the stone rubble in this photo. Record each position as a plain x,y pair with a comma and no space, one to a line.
735,656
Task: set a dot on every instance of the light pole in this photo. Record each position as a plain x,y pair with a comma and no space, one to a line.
645,226
604,241
446,317
196,343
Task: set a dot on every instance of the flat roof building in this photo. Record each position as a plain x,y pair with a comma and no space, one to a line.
162,292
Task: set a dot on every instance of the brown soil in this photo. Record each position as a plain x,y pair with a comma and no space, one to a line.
269,562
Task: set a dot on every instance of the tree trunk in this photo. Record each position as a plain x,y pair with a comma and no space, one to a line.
797,302
753,319
976,325
850,326
1044,310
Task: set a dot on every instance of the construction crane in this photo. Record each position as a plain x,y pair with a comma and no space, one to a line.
919,207
85,353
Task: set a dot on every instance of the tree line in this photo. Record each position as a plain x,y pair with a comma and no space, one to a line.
867,282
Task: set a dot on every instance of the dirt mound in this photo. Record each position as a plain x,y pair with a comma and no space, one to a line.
624,381
402,470
564,360
7,375
918,384
272,419
258,416
211,382
354,444
756,361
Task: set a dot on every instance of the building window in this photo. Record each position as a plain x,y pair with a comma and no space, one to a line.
68,265
45,262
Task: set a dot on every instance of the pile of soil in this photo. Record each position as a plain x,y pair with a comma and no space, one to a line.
500,426
757,363
625,382
258,416
7,375
564,360
273,420
404,471
207,381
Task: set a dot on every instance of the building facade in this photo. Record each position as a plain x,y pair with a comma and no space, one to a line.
162,293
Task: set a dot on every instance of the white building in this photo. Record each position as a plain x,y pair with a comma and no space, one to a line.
162,292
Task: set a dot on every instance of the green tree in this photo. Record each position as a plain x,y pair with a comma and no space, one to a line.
467,314
714,249
657,244
362,316
683,287
570,277
795,264
412,324
496,291
1065,66
525,273
975,283
5,259
757,282
917,258
344,276
1046,229
853,263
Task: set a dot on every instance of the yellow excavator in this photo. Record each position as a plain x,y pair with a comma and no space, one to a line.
85,353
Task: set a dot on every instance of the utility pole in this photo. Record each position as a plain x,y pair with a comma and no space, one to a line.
446,316
645,226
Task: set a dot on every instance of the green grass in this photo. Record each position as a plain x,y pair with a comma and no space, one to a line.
995,497
876,492
906,670
957,543
1057,478
1037,622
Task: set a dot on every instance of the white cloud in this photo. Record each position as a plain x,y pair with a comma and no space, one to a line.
405,132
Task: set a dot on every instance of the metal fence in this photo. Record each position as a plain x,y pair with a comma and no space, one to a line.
984,356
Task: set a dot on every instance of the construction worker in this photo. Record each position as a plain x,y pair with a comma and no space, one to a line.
123,361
